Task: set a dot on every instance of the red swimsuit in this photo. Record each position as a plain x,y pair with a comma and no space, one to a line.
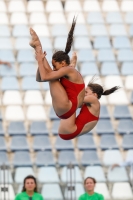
72,90
82,119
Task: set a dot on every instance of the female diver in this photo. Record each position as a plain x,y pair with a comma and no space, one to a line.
66,84
89,113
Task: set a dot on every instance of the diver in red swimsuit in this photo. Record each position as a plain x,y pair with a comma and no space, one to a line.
89,113
66,84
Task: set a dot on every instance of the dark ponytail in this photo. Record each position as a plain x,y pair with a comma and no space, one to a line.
60,56
70,37
98,89
110,91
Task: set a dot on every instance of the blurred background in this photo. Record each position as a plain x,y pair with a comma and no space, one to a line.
29,142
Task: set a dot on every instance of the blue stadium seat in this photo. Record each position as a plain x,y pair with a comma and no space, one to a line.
75,173
52,114
9,83
3,158
108,142
30,83
118,174
95,172
49,54
16,128
117,30
1,129
121,112
46,42
44,158
104,114
82,42
7,55
45,85
109,68
98,30
22,159
55,127
125,55
2,144
1,116
25,56
59,30
104,127
38,128
20,31
95,18
22,172
41,143
85,55
102,43
22,43
5,43
49,191
63,144
125,126
131,31
111,157
78,31
67,157
127,142
7,71
48,175
89,68
132,98
86,142
4,31
27,69
121,42
105,55
129,17
113,18
59,42
19,143
127,68
90,158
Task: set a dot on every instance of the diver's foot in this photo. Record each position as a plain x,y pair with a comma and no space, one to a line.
35,42
73,60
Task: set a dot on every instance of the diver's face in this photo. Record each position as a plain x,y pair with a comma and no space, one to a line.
58,65
89,185
88,91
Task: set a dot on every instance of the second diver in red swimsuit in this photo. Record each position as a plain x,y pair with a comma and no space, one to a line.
89,113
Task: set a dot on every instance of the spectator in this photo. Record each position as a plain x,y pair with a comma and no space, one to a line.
89,184
29,190
128,162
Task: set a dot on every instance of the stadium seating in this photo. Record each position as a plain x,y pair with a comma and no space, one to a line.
16,128
48,175
41,143
29,141
90,158
96,172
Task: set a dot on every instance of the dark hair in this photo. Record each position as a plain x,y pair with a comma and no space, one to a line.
98,89
29,177
60,56
93,179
